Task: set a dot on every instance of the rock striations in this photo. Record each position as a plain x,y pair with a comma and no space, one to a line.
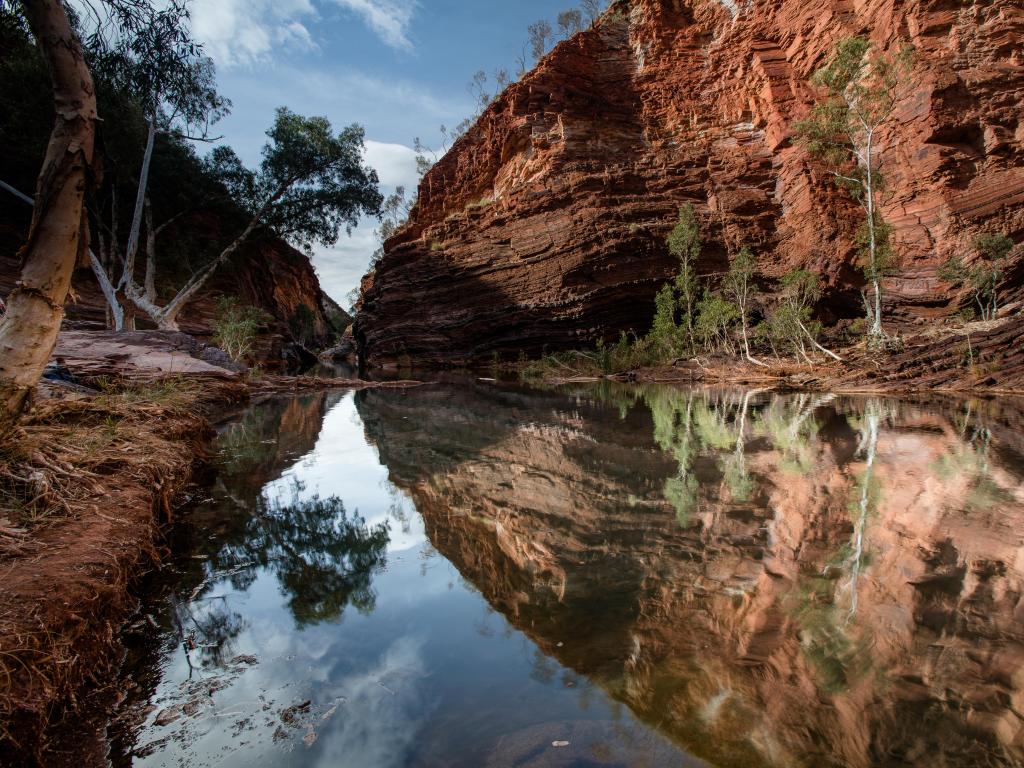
544,225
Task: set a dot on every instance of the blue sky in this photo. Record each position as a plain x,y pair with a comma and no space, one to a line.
398,67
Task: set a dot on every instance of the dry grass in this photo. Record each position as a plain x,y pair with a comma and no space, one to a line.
66,451
84,486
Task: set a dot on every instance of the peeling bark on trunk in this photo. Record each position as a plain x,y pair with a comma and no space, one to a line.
35,307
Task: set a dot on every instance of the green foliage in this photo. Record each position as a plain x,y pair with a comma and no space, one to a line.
859,93
801,288
155,59
984,274
715,318
885,262
739,279
789,324
324,557
236,327
993,246
312,183
684,240
664,335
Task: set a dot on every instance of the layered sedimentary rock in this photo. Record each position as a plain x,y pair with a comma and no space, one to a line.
839,585
544,226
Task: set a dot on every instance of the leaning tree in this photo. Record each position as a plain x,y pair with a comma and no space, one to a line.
311,184
57,236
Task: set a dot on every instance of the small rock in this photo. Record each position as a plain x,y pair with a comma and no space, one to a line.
289,715
167,716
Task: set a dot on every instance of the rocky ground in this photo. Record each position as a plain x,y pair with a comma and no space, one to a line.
983,357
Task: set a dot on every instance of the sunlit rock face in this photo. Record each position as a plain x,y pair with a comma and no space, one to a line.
769,581
544,226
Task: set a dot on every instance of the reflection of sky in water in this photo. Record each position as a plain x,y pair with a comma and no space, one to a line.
771,580
342,464
432,675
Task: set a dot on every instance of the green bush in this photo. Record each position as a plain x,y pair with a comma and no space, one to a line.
236,327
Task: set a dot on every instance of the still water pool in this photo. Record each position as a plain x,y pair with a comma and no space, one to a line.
485,575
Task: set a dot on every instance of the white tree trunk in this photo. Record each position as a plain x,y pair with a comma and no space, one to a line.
876,324
58,233
109,292
140,200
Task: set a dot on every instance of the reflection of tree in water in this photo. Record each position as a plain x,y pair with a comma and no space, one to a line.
969,458
251,441
207,630
719,426
838,647
690,424
737,478
788,423
672,412
323,558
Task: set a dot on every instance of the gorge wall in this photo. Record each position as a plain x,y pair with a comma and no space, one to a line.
544,226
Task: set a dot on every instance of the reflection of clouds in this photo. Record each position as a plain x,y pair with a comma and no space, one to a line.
383,712
343,465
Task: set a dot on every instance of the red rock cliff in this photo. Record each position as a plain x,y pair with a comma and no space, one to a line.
544,226
266,273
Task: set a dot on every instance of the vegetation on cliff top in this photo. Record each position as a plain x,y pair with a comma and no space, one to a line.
136,64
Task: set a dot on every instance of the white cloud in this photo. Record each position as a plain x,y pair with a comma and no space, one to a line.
385,708
243,33
395,164
390,19
342,266
240,33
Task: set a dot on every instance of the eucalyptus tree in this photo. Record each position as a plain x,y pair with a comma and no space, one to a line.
570,22
540,35
739,284
983,275
685,244
860,92
163,70
791,321
311,184
57,235
592,10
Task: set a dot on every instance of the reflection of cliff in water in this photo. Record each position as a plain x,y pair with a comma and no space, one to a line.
769,580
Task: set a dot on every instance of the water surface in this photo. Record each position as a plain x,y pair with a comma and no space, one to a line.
482,575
